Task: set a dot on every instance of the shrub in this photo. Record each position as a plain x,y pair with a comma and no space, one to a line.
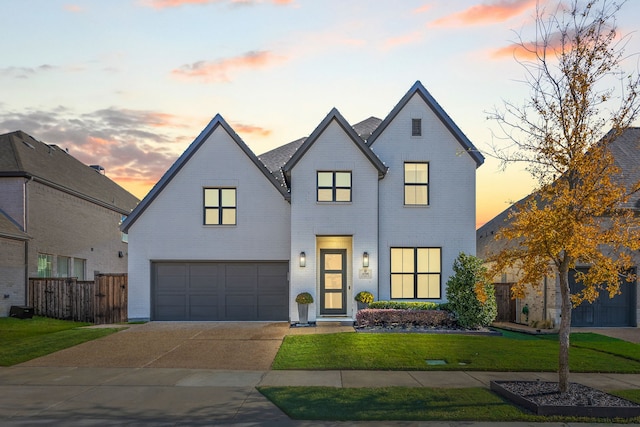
364,297
470,293
404,305
304,298
394,317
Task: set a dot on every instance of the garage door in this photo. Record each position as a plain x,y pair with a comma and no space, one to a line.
605,311
220,291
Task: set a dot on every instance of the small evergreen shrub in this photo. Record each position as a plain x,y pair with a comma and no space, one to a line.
404,305
470,293
304,298
364,297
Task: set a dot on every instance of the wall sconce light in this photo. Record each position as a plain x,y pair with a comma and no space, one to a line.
365,259
303,259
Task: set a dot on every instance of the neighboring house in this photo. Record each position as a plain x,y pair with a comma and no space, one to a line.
384,206
58,217
543,302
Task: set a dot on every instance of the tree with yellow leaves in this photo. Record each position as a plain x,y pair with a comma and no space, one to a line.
580,102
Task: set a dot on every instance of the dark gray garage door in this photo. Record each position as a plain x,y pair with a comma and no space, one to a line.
605,312
220,291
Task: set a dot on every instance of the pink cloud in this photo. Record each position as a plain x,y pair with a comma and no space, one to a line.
498,11
251,129
423,8
218,70
410,38
73,8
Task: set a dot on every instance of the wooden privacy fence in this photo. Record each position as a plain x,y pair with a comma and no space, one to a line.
102,301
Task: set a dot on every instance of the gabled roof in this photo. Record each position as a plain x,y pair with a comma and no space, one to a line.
215,123
417,88
23,156
334,114
9,229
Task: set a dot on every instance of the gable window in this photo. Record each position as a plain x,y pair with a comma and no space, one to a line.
416,127
334,186
416,184
415,273
220,206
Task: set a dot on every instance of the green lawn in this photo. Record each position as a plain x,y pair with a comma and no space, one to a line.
403,403
511,352
26,339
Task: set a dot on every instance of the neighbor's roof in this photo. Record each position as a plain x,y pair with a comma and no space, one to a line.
23,156
419,89
10,229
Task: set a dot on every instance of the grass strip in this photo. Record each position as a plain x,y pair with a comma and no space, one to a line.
404,404
390,351
26,339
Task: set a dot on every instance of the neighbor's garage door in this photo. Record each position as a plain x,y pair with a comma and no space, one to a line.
605,311
220,291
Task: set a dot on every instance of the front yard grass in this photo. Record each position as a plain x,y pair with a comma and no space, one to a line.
404,404
26,339
512,352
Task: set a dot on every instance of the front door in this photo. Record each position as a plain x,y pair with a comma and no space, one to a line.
333,281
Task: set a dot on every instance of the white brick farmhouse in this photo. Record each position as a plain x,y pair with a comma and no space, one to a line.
383,206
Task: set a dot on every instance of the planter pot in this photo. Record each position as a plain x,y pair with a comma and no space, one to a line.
362,305
303,314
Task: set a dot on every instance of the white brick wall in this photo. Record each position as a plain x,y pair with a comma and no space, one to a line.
332,151
172,226
449,220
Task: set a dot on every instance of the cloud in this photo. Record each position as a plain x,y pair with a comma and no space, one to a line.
497,11
135,147
165,4
251,129
405,39
73,8
423,8
25,72
218,70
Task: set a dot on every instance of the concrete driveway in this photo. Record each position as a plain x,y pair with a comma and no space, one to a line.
190,345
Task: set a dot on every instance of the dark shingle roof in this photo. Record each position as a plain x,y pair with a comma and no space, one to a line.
365,128
22,155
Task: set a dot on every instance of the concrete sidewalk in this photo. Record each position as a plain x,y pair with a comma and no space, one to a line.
170,396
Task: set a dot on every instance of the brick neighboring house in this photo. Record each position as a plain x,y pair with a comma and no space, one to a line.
58,217
544,303
383,206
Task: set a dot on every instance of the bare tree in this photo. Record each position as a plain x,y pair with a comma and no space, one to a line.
580,101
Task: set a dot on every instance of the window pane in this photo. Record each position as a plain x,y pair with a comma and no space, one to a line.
78,268
228,216
409,195
407,286
396,286
325,179
416,127
420,192
45,265
211,216
343,195
434,260
229,197
333,262
434,286
333,300
407,260
343,179
211,197
421,174
409,172
325,195
396,260
423,286
423,260
63,266
333,280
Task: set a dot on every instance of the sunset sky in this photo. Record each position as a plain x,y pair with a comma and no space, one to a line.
128,84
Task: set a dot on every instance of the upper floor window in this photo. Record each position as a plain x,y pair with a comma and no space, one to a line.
220,206
415,272
416,184
416,127
334,186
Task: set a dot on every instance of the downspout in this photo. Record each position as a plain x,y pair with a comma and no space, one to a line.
26,242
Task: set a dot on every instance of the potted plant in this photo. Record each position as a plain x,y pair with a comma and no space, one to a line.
364,298
303,299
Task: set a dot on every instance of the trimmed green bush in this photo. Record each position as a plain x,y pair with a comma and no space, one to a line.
304,298
470,293
404,305
364,297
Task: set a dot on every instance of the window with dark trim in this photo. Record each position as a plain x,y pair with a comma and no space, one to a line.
220,206
416,127
416,184
416,273
334,186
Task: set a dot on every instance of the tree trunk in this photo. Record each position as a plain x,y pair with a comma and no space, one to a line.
565,327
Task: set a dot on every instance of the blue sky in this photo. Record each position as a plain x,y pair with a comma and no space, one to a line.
129,84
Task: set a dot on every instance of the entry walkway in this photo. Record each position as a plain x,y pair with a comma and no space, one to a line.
177,396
